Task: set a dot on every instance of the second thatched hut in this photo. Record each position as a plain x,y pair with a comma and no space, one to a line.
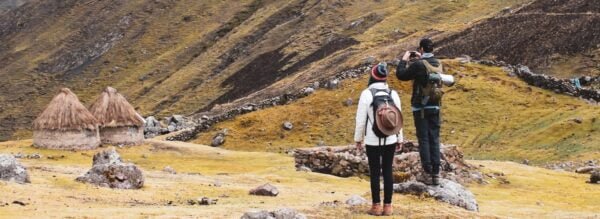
119,123
66,124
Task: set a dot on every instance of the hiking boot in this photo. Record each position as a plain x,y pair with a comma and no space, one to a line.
435,179
375,210
425,178
388,210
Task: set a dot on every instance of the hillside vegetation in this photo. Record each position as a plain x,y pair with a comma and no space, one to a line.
186,56
229,175
489,114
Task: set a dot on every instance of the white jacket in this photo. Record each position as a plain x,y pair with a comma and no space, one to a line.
366,110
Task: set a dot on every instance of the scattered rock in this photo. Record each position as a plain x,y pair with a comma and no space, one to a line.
219,138
595,177
448,191
288,126
356,200
333,84
578,120
303,169
170,170
587,169
283,213
525,162
12,170
370,60
307,91
109,171
17,202
348,102
109,156
265,190
203,201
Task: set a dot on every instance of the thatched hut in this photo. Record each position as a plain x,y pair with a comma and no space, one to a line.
66,124
119,123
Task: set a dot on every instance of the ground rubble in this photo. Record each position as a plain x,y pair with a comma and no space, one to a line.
346,161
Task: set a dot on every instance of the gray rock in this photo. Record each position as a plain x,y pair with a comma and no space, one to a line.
369,60
307,91
109,156
258,215
151,121
303,169
177,119
172,127
218,140
356,200
109,171
287,213
587,169
265,190
333,84
283,213
348,102
207,201
12,170
595,177
448,191
170,170
288,126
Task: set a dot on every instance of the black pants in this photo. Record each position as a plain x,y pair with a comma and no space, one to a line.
428,133
381,159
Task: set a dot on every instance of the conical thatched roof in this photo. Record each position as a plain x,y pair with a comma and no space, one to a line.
111,109
65,112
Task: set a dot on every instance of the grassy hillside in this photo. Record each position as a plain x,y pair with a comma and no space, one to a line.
488,113
188,56
531,192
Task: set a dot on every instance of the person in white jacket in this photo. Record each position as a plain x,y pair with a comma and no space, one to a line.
380,151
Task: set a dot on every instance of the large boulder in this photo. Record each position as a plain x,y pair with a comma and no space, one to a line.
12,170
109,171
265,190
448,191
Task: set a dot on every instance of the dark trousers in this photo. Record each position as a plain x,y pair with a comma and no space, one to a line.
381,159
428,133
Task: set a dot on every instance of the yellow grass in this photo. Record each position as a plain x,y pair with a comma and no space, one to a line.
54,193
488,113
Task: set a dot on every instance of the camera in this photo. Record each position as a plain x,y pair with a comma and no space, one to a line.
413,54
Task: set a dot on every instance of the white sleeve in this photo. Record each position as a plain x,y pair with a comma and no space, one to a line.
361,115
396,98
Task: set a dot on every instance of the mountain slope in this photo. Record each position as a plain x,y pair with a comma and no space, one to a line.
555,37
184,56
488,113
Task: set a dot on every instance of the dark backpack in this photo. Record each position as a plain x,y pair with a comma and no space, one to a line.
381,105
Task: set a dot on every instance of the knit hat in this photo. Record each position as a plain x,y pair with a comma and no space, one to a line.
379,72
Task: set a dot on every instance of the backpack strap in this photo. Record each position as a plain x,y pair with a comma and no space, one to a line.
430,67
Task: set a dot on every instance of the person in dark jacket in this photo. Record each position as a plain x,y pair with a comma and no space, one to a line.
426,113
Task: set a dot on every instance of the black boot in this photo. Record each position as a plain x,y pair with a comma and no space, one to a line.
435,179
425,178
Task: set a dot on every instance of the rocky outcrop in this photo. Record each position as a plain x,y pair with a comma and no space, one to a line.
563,86
576,88
108,170
265,190
347,161
153,128
448,191
283,213
12,170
